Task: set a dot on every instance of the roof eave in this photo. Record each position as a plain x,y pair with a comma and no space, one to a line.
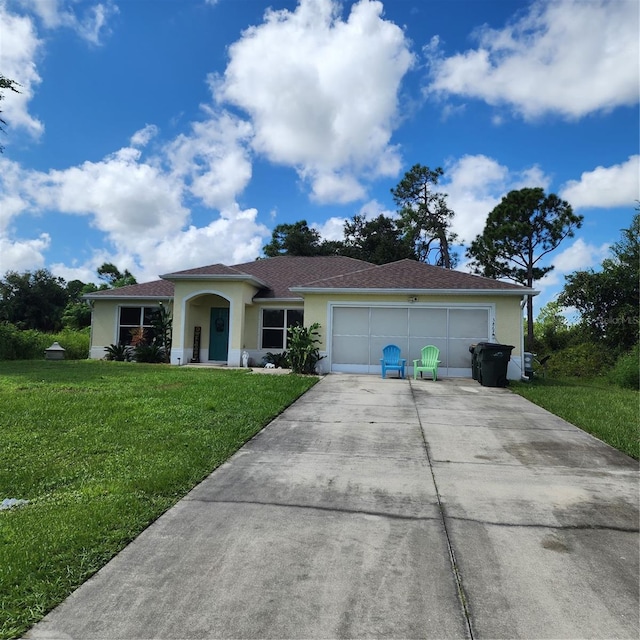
171,277
90,296
413,292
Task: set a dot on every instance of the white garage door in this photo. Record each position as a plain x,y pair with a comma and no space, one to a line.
359,334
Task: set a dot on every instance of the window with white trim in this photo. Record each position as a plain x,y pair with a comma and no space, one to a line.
133,319
275,323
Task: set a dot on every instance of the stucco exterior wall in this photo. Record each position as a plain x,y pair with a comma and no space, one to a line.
194,299
104,322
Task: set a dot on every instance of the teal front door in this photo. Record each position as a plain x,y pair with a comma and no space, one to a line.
219,334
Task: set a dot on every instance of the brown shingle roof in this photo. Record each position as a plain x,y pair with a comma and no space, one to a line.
410,275
210,270
154,289
284,273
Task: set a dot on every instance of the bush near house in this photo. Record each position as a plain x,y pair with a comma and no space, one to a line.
626,371
581,360
29,344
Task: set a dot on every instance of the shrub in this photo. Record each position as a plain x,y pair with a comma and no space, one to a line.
150,353
75,343
304,354
582,360
278,360
118,353
626,371
29,344
19,345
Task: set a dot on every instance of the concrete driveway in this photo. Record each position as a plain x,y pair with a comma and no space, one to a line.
387,509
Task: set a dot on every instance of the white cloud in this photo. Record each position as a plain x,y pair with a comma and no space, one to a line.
139,206
331,229
322,92
334,187
92,25
213,159
615,186
142,137
234,237
476,184
20,47
579,255
14,200
126,198
22,254
568,57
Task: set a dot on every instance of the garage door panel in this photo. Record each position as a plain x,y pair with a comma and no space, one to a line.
428,322
360,334
468,323
459,355
350,350
389,322
350,321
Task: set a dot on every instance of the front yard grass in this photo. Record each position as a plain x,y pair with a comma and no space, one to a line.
608,412
102,449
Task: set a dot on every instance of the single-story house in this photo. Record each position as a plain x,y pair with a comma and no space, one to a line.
221,312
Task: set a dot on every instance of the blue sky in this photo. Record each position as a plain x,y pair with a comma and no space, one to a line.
163,135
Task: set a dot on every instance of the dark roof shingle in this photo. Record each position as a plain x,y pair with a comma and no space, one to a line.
410,275
301,273
154,289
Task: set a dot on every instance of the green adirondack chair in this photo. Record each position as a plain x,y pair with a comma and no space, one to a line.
428,362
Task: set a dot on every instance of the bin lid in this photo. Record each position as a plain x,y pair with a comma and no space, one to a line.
493,346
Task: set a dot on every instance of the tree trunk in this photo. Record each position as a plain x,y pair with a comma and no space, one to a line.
444,248
529,343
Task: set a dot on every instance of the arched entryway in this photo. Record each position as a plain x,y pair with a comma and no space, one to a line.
207,328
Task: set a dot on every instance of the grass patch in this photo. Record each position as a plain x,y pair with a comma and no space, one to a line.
597,406
102,449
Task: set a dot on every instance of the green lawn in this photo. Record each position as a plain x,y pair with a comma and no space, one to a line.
102,449
605,410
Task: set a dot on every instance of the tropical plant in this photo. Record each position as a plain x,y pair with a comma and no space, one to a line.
118,353
304,354
278,360
162,325
151,353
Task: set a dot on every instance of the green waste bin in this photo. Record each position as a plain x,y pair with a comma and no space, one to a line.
493,360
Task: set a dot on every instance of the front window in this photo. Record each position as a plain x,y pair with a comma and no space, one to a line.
135,322
275,323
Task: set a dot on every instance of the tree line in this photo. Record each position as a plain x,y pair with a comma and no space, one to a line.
41,301
525,227
420,231
519,232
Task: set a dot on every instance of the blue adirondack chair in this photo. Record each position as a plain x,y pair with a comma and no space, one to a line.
428,362
391,360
